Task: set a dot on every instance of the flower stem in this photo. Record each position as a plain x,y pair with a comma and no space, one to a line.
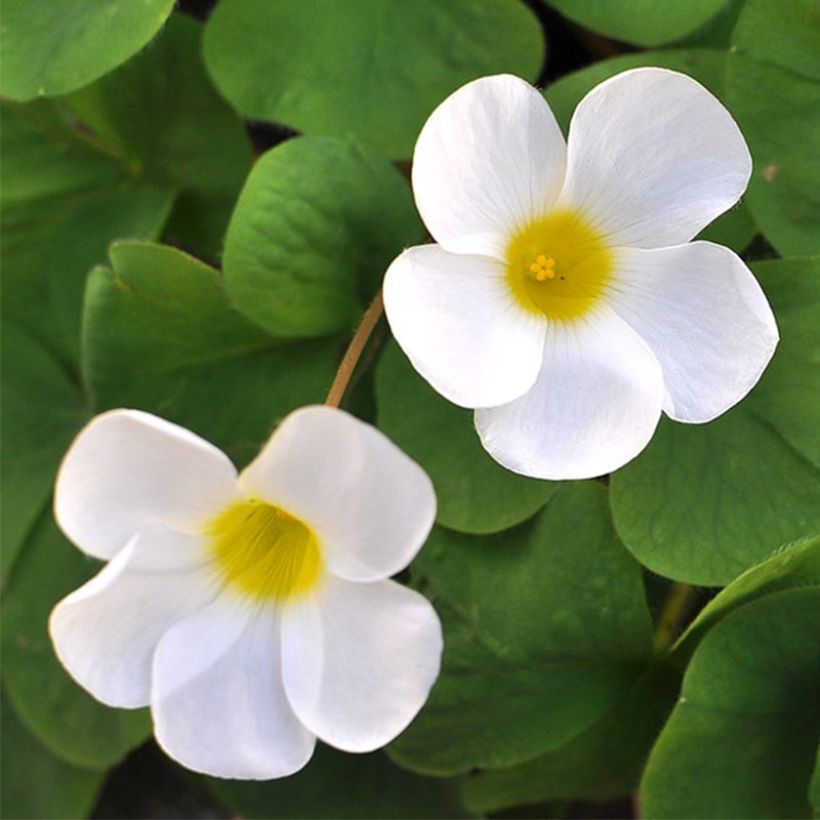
354,351
675,609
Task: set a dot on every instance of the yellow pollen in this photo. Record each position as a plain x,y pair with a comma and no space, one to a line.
264,551
558,266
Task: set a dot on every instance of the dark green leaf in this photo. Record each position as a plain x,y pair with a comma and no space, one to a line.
773,88
475,494
742,740
372,70
546,628
57,46
316,226
703,503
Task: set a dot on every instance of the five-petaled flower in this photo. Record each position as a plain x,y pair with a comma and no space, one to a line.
564,299
253,613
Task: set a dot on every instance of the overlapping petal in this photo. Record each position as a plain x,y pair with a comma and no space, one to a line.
127,470
458,322
218,700
653,158
371,506
706,319
105,633
488,159
359,661
594,407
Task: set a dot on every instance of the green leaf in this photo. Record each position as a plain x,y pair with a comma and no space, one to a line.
797,566
52,706
36,784
602,763
475,494
316,226
354,68
160,334
735,228
703,503
546,628
42,409
773,89
341,785
55,47
161,115
642,22
742,740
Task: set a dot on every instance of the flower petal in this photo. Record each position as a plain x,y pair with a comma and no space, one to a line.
218,701
594,407
653,158
706,319
359,660
489,159
128,470
105,632
371,506
457,320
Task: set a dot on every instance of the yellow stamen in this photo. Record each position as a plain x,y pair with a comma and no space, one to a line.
264,551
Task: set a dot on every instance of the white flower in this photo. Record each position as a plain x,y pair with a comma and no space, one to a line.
564,299
253,612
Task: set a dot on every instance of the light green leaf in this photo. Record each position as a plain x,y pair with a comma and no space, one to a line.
160,334
161,114
797,565
36,784
475,494
339,785
374,71
735,228
602,763
546,628
773,89
42,409
57,46
642,22
316,226
703,503
52,706
742,740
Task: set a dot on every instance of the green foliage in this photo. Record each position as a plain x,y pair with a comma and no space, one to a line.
475,494
704,503
318,222
354,786
36,784
375,71
773,88
642,22
742,740
508,691
54,47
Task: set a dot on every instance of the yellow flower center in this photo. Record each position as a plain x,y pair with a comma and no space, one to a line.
559,266
264,551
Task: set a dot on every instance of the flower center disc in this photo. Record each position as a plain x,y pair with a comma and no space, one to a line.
265,551
558,266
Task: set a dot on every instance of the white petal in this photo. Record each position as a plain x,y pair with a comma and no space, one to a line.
594,407
105,633
458,322
127,470
488,159
653,158
218,701
371,506
359,661
706,319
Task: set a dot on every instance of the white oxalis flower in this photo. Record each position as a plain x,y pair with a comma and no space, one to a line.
564,299
253,613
